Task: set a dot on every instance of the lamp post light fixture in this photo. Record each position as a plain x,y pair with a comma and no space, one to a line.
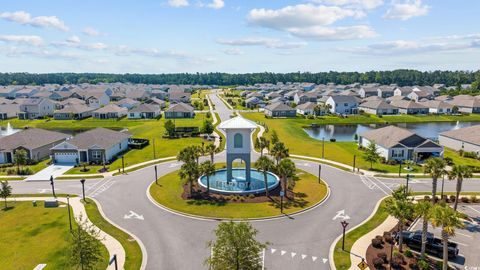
123,164
354,160
69,215
406,187
83,189
53,186
156,177
344,226
319,173
282,194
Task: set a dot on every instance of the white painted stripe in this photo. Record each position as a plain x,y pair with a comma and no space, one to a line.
473,209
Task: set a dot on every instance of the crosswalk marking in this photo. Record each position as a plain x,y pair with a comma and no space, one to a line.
293,254
283,252
304,256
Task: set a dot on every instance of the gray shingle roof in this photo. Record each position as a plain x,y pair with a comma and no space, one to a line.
31,138
466,134
100,137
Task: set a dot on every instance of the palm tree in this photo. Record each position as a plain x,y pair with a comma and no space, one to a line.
400,207
20,157
448,219
262,144
207,168
186,154
264,164
436,168
197,152
459,172
286,169
279,151
211,149
423,209
5,191
189,172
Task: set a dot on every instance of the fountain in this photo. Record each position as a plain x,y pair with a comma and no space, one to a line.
239,180
8,130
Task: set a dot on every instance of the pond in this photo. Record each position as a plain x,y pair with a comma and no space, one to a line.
7,130
347,132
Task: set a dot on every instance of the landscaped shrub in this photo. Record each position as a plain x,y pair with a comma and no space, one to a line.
377,263
452,198
376,243
408,253
379,237
461,152
251,196
464,199
383,256
398,260
474,199
413,264
387,233
439,265
423,265
388,239
470,155
333,139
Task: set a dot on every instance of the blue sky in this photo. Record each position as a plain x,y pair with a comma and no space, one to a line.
170,36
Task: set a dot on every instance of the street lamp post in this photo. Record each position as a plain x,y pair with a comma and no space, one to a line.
53,186
156,177
69,215
154,154
282,193
400,169
319,173
354,159
344,226
323,147
391,253
443,183
83,188
406,188
123,164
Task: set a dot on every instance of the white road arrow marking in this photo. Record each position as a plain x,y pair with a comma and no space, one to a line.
303,256
282,252
133,215
45,190
293,254
341,214
314,258
273,250
324,260
174,165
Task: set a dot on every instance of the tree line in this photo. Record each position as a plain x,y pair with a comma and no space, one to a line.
402,77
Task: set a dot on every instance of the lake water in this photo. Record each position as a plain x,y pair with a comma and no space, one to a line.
347,132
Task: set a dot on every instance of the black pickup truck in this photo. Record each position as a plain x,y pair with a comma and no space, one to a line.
434,245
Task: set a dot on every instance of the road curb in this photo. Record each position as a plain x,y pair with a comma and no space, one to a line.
196,217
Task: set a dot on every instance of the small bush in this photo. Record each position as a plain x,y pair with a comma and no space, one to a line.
383,256
452,198
413,264
408,253
439,265
470,155
333,139
423,265
251,196
449,161
464,199
474,199
376,243
388,239
387,233
379,237
397,262
377,263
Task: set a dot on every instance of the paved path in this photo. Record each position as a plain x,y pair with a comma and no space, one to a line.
176,242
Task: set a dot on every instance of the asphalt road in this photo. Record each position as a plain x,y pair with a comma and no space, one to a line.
173,241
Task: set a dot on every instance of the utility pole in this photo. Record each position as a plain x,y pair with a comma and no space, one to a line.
123,164
354,159
406,188
156,177
319,173
53,186
69,215
400,168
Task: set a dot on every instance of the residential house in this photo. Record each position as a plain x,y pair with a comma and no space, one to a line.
73,112
418,95
97,99
110,111
368,91
409,107
156,101
8,91
180,110
471,105
36,142
34,108
179,97
253,102
99,145
8,111
466,139
128,103
307,108
403,91
394,143
385,91
300,98
342,104
279,110
438,106
144,111
378,107
26,92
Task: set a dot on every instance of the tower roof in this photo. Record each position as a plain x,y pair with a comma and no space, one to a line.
237,123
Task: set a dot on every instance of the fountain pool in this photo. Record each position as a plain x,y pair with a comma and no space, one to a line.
8,130
238,185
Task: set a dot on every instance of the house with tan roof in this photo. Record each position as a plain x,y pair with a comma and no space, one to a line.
279,110
73,112
409,107
144,111
438,107
466,139
394,143
110,111
180,110
8,111
98,146
466,105
36,142
378,107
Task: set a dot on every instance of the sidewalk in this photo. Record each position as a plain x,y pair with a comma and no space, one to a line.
215,120
112,245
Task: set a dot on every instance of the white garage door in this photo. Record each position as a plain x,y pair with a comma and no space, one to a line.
66,157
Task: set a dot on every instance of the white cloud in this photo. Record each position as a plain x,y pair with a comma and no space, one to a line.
262,41
26,40
407,10
178,3
25,18
74,40
233,51
312,21
89,31
401,47
216,4
365,4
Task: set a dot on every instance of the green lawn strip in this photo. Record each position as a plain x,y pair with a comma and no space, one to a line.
342,258
290,131
79,177
168,193
34,168
13,178
33,235
143,166
132,248
61,195
324,162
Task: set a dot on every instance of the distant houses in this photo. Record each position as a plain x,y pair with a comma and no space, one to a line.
110,111
179,110
464,139
279,110
342,104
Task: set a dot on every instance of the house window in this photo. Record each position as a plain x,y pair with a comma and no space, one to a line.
345,104
120,146
397,153
238,141
97,154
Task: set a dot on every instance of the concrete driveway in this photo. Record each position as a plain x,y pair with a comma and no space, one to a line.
54,170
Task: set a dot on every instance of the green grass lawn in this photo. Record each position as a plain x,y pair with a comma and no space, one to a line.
148,129
168,193
35,167
290,131
132,248
342,258
33,235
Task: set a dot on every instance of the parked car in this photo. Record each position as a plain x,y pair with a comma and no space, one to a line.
434,245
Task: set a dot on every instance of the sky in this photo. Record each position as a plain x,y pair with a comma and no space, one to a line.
238,36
